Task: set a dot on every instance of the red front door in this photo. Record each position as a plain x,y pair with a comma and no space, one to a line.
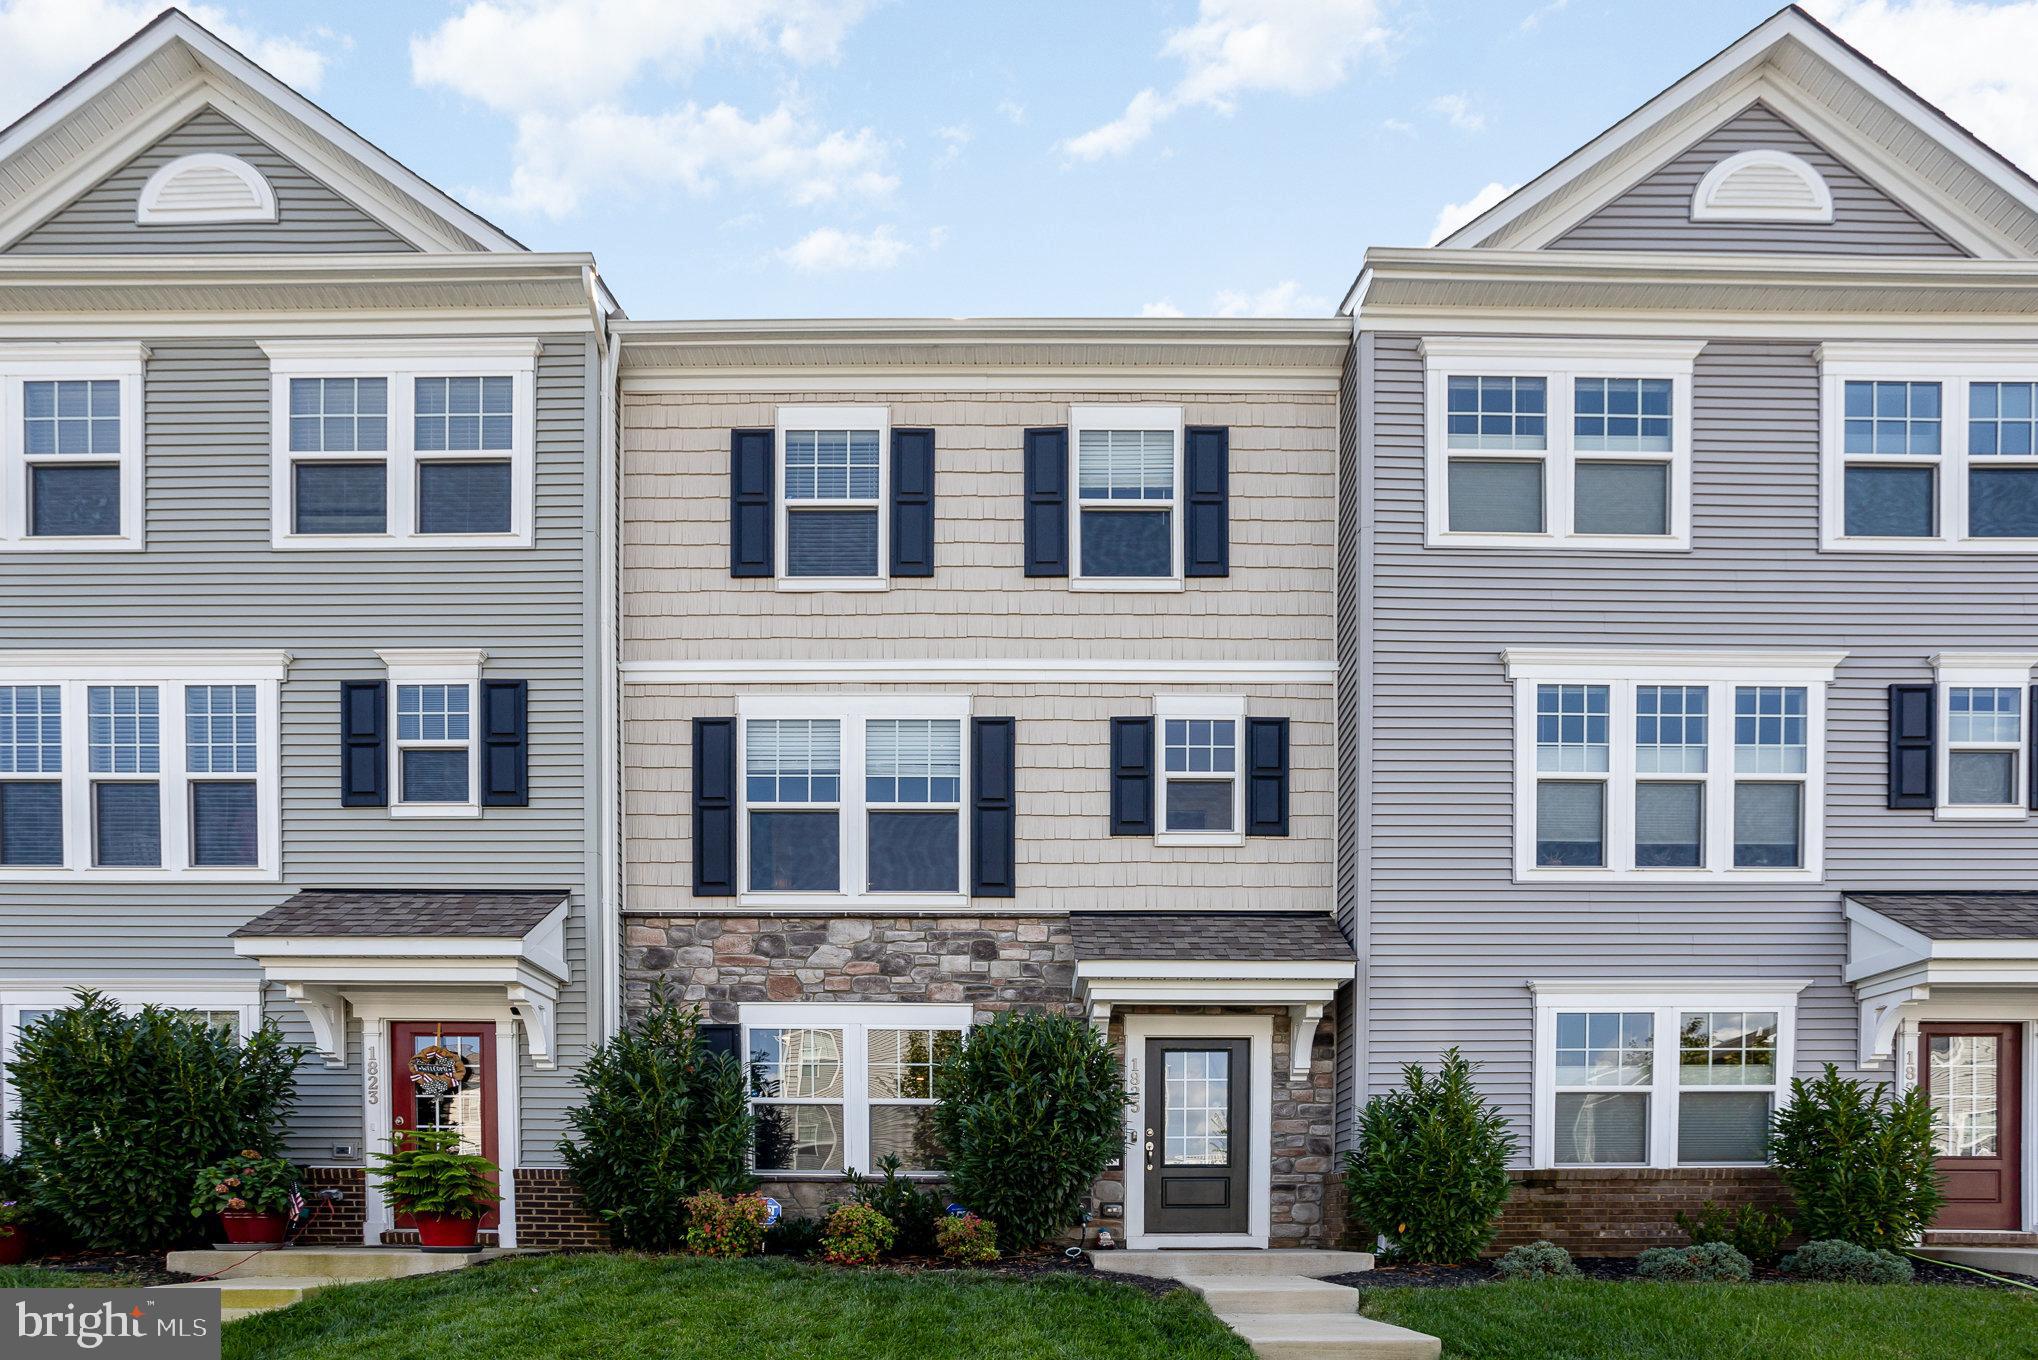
435,1100
1972,1073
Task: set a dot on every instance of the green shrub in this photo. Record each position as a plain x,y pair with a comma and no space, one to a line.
245,1183
725,1225
1709,1262
913,1212
1031,1110
663,1120
967,1238
1429,1172
1845,1263
1535,1261
426,1173
793,1237
855,1235
1750,1230
1858,1163
120,1111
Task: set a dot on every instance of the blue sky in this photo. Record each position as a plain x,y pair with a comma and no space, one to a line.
1045,157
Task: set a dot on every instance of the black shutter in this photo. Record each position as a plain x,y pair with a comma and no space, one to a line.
720,1039
364,746
912,502
1913,757
1047,502
993,830
750,503
1266,776
714,807
1206,462
505,743
1132,776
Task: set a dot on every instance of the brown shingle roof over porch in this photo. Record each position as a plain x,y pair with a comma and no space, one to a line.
1185,936
1958,915
329,912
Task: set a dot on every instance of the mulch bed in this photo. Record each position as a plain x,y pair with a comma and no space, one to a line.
1615,1268
1032,1266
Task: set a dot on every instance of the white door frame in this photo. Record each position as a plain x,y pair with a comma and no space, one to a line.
1258,1031
1998,1008
378,1010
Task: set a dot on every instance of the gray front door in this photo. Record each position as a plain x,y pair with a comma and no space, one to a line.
1195,1144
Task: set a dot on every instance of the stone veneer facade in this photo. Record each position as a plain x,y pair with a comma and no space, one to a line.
991,962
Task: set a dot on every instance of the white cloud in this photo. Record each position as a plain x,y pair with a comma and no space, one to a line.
1239,47
1960,55
1161,308
44,43
1454,215
828,250
563,160
1399,126
1012,112
1457,110
954,138
1285,298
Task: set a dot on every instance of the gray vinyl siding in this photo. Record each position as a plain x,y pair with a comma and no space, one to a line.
209,579
1352,859
1452,939
1656,214
310,216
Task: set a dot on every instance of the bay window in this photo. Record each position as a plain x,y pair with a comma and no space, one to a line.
1659,1074
858,797
836,1088
71,447
1668,766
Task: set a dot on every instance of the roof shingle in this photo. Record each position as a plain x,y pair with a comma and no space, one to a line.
321,911
1303,936
1959,915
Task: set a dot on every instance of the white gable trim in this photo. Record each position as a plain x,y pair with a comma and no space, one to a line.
1720,88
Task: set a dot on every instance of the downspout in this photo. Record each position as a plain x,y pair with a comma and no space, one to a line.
604,944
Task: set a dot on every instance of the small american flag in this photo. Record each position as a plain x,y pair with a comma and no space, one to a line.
296,1204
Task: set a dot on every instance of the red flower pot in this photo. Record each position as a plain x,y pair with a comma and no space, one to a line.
443,1232
13,1248
254,1230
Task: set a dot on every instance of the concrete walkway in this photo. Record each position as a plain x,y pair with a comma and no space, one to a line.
2005,1260
252,1280
1279,1303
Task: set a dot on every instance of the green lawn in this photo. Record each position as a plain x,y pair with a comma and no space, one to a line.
38,1277
1586,1320
599,1307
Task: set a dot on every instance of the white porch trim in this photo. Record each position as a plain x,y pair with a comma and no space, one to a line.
1304,987
1258,1031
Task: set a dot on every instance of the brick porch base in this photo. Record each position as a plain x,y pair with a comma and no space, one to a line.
1623,1213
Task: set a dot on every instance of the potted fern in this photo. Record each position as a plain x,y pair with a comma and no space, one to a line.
444,1190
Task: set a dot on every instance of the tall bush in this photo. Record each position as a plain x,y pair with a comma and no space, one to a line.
1858,1162
1429,1172
1031,1110
663,1120
119,1112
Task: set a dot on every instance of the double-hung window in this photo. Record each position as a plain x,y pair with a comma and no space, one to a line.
833,479
1660,1075
1202,796
836,1088
419,443
1127,506
1929,450
433,698
858,797
132,771
1571,444
1984,702
71,447
1668,766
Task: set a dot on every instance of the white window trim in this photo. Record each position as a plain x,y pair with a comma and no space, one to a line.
401,363
1229,709
1666,998
855,1022
1953,368
149,211
435,666
108,361
39,994
1982,670
1167,418
169,672
877,418
852,711
1705,209
1558,363
1621,671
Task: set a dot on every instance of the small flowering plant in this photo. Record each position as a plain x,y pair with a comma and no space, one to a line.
245,1183
967,1238
13,1214
726,1225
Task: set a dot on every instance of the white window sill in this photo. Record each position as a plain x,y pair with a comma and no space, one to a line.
62,544
434,810
816,584
388,542
1128,585
1199,838
1964,813
50,873
1575,543
851,902
1675,876
1999,547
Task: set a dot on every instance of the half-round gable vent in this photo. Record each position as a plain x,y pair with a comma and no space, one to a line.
206,187
1762,186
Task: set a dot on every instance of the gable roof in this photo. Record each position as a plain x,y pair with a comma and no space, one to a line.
158,78
1965,189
